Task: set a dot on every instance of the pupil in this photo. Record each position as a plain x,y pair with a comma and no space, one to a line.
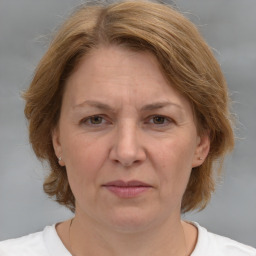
96,120
158,120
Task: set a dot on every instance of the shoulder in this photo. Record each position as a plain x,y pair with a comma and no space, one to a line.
209,244
27,245
44,243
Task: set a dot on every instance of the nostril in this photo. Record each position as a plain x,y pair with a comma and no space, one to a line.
127,150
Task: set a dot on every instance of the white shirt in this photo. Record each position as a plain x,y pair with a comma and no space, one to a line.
48,243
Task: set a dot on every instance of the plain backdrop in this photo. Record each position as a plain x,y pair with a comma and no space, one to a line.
25,25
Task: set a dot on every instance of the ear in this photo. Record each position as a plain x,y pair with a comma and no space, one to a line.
202,149
57,145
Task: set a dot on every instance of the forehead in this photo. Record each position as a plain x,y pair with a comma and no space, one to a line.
114,62
117,75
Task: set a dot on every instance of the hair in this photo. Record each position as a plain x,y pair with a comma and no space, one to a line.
186,61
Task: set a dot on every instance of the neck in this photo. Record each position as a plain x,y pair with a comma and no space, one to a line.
87,238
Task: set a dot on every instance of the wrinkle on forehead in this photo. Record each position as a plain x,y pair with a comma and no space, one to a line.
116,76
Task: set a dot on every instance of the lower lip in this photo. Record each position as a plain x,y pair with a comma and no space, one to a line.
127,192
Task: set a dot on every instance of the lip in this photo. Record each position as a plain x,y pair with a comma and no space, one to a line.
127,189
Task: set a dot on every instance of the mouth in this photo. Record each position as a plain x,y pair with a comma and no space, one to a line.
127,189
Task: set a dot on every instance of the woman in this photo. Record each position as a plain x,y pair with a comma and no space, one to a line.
130,109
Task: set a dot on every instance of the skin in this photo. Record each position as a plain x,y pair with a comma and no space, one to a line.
122,120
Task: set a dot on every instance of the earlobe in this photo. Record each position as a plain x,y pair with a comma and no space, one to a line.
57,146
202,150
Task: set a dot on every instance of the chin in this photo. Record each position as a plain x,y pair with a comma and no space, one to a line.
131,220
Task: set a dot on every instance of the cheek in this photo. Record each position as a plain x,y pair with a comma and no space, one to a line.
175,153
83,159
174,162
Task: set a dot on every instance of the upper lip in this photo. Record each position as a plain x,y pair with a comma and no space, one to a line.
131,183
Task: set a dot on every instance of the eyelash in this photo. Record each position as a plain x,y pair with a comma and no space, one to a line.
166,120
149,120
88,120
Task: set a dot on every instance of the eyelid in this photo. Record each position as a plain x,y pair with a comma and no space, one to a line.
84,120
105,120
169,120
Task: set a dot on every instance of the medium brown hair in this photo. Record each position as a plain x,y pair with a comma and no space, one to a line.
186,61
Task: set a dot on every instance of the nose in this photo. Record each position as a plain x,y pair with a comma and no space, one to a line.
127,148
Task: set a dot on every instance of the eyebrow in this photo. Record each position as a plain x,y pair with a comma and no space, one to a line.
148,107
95,104
159,105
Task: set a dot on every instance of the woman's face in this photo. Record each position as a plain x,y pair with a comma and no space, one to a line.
128,140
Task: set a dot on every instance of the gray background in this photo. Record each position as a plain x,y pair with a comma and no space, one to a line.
227,25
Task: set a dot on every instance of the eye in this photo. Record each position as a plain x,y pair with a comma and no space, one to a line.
94,120
159,120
